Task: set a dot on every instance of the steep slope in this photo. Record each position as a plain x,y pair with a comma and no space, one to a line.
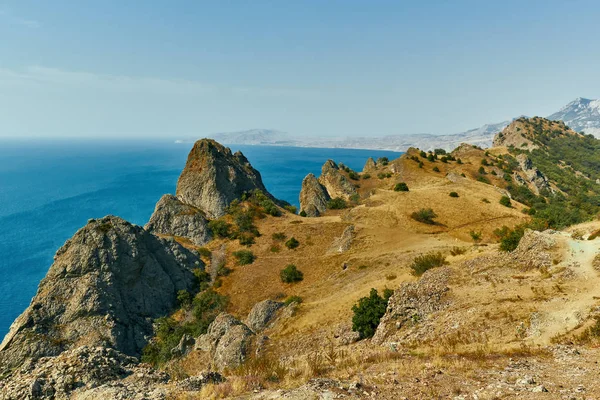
104,288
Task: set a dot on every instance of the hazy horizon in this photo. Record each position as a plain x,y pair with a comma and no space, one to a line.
323,69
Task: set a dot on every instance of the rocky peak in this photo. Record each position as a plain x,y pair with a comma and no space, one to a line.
524,133
213,177
370,165
106,285
313,197
335,182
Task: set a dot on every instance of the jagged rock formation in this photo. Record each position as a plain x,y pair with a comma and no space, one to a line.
316,193
262,314
227,341
414,301
104,288
313,197
370,165
538,181
213,177
343,243
172,217
336,184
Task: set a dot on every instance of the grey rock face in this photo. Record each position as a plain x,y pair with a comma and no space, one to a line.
534,176
172,217
414,300
106,285
84,373
370,165
343,243
227,340
313,197
262,314
213,177
336,184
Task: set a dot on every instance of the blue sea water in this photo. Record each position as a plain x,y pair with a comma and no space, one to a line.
48,190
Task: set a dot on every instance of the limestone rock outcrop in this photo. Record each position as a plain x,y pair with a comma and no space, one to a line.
370,165
227,341
262,315
313,197
414,301
104,288
174,218
336,184
213,177
534,176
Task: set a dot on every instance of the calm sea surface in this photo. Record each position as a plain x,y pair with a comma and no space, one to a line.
48,190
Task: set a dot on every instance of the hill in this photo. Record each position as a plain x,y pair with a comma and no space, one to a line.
433,275
582,115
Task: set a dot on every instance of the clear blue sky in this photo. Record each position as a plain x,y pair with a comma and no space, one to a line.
330,68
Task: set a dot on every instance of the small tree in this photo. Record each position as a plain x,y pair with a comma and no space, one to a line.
453,194
505,201
337,204
436,169
220,228
291,274
368,312
244,257
424,215
401,187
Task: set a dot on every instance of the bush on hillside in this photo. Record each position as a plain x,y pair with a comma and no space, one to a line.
424,215
292,243
368,312
337,204
244,257
401,187
291,274
425,262
453,194
220,228
505,201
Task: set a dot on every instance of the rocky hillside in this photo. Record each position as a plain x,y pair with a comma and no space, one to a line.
433,275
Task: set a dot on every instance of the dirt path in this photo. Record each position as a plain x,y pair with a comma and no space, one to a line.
564,312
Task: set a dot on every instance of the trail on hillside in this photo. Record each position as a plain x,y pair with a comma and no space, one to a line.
565,312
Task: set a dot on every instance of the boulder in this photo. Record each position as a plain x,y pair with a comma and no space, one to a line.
213,177
313,197
336,183
106,285
262,314
414,301
227,341
174,218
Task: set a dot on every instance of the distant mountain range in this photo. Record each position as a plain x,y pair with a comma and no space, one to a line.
580,115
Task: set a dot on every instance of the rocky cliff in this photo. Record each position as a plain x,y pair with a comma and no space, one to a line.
106,285
172,217
214,176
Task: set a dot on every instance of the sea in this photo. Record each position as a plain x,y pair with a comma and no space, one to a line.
49,189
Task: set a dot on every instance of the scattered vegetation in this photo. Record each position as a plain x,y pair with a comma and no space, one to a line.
476,236
436,169
291,274
279,236
292,243
505,201
368,312
292,299
425,262
456,251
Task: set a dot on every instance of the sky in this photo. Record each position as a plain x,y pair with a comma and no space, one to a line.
181,69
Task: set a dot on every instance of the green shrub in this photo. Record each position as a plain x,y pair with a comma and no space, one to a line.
383,161
337,204
292,243
511,237
353,175
505,201
290,208
366,176
275,248
222,270
244,257
368,312
444,159
423,154
220,228
303,213
204,252
481,170
424,215
476,236
425,262
381,175
420,164
456,251
436,169
184,298
459,161
431,157
453,194
279,236
483,179
401,187
293,299
291,274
